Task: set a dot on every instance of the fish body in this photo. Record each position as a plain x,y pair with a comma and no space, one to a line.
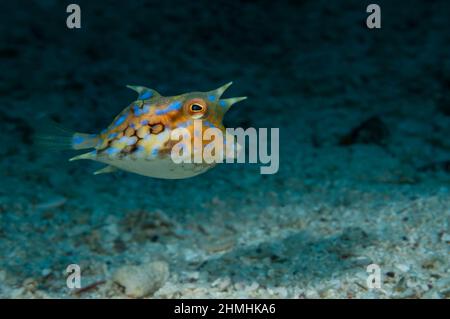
139,138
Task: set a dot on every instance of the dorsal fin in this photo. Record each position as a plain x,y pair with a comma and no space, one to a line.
144,93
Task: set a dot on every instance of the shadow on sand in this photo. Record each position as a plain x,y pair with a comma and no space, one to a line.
299,256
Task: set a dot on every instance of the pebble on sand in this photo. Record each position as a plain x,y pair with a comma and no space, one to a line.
142,280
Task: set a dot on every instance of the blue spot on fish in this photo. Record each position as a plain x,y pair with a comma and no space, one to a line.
131,140
128,140
209,124
112,135
139,151
222,103
185,124
77,139
212,98
162,137
136,110
154,152
144,122
112,151
174,106
145,95
145,109
121,119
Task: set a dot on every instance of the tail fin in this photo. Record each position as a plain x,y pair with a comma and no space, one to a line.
53,136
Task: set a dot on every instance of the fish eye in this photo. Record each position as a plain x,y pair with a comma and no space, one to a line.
196,108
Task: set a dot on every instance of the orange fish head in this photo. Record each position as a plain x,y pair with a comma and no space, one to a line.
205,106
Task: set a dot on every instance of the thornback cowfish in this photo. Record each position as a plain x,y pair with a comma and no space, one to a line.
139,138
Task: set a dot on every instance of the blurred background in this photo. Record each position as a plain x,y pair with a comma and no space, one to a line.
364,149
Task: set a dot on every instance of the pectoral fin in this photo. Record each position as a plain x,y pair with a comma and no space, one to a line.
90,155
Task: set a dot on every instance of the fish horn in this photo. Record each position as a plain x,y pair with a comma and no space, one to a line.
218,92
227,103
